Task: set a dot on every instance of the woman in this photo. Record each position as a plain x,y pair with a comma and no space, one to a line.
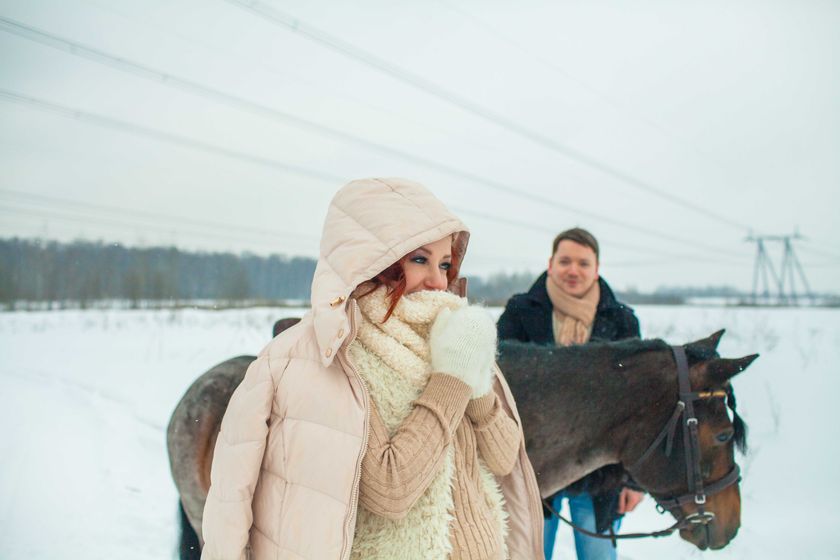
379,426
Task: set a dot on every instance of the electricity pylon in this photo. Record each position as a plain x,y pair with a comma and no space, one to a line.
785,279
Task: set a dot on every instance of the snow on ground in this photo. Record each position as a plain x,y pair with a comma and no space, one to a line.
87,395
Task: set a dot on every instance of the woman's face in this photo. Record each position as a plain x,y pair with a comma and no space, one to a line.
425,268
573,268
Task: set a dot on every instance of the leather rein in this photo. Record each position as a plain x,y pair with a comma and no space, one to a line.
697,490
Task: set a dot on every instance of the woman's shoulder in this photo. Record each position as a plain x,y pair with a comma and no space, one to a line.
295,342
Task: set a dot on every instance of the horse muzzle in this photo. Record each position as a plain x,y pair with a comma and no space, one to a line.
707,537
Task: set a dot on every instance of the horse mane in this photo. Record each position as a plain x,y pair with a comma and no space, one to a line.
632,346
740,437
618,350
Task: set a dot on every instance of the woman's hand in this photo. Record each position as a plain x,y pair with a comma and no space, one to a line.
463,344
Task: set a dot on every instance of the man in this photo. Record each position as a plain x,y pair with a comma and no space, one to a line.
571,304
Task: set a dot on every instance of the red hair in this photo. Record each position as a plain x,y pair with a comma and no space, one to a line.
393,278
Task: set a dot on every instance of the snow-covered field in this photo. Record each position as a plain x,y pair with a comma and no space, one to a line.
86,396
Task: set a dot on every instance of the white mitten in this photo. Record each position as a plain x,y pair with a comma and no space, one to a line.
463,344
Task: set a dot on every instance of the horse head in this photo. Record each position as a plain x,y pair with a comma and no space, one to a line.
709,506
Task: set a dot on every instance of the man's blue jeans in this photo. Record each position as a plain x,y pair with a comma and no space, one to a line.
583,515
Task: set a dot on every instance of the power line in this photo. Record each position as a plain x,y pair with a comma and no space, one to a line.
260,232
201,90
554,67
146,22
122,224
670,263
323,38
520,224
113,226
823,244
820,252
53,201
123,126
611,243
159,135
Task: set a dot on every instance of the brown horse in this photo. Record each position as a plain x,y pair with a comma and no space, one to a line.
581,407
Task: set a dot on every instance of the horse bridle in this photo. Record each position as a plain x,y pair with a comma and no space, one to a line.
697,490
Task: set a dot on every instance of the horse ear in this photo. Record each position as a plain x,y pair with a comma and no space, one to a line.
721,370
706,345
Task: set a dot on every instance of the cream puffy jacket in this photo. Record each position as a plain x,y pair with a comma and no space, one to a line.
287,463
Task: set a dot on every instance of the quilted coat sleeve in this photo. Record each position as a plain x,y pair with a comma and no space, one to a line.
236,465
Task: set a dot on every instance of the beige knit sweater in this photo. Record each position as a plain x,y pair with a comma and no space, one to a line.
427,488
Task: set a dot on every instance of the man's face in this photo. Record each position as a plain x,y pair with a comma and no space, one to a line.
573,268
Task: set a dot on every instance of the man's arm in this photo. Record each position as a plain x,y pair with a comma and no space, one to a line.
629,325
509,326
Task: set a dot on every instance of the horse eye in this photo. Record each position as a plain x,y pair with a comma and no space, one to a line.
724,437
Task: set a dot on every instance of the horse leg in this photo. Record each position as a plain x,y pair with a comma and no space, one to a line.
189,547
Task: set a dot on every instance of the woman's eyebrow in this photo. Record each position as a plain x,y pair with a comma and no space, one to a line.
427,252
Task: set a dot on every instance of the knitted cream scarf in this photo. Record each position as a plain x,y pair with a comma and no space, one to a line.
394,360
572,317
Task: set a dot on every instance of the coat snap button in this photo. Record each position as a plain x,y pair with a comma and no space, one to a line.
328,353
337,301
340,333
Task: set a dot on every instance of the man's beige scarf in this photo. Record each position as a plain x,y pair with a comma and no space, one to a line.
394,359
573,317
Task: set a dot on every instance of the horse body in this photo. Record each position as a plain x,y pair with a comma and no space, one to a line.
193,429
569,432
581,408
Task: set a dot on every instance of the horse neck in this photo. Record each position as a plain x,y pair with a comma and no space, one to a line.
586,417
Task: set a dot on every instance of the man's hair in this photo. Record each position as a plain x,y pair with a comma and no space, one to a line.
579,236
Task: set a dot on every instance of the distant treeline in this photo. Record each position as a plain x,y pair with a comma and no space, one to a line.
704,291
497,288
83,272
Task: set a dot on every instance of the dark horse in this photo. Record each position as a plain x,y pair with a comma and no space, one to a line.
581,407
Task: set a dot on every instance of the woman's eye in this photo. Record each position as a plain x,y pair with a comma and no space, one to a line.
418,260
446,265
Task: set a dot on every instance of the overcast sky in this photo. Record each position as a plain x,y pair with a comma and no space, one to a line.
671,130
